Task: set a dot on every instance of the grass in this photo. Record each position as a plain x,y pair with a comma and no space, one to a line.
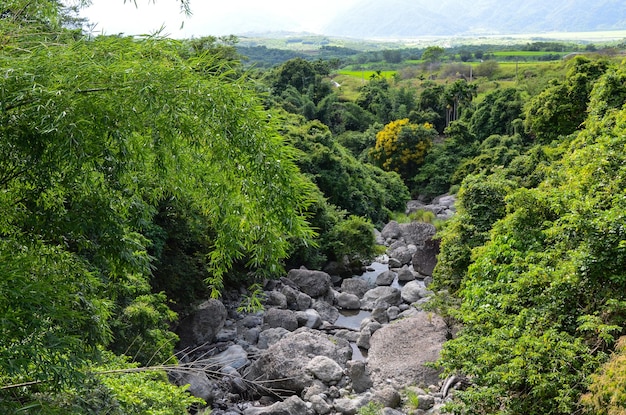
367,74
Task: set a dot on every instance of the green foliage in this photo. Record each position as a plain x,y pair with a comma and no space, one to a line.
372,408
361,189
543,299
496,114
561,108
607,395
354,238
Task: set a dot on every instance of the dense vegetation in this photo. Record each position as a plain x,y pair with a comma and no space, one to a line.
139,176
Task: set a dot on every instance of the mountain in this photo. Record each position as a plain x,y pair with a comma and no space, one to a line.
414,18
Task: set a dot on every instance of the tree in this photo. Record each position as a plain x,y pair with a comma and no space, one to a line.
458,94
402,146
433,54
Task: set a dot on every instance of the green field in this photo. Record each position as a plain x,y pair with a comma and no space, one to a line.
367,74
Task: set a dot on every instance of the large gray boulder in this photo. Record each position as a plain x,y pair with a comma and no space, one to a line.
276,317
203,325
400,251
378,295
401,350
325,369
417,233
282,366
347,301
425,258
391,231
356,286
312,283
385,278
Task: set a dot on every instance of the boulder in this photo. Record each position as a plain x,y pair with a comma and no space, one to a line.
394,354
389,295
417,233
293,405
401,252
203,325
309,318
276,317
412,291
385,278
425,258
359,375
235,356
276,299
405,274
282,364
271,336
312,283
348,301
391,231
325,369
327,311
356,286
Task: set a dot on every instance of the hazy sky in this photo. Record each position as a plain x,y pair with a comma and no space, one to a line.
211,17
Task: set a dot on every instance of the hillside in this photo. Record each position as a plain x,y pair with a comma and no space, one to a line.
411,18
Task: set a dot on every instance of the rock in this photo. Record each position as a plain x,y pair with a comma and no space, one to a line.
326,311
391,411
447,201
347,406
388,397
348,301
363,342
276,299
203,325
379,314
378,236
271,336
425,258
319,405
291,296
276,317
393,312
282,364
252,320
411,292
200,386
356,286
400,251
417,233
425,402
325,369
312,283
394,354
235,356
385,278
394,263
389,295
309,318
303,301
359,375
405,274
293,405
391,231
251,335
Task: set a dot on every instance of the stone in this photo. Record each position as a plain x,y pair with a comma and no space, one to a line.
319,405
394,263
282,364
271,336
327,311
388,397
411,292
276,299
359,374
389,295
203,325
346,406
393,312
391,231
312,283
293,405
348,301
325,369
379,314
405,274
417,233
291,295
425,258
400,252
309,318
394,354
200,385
235,356
385,278
276,317
303,301
356,286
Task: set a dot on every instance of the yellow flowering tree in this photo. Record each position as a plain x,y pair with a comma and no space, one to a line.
401,146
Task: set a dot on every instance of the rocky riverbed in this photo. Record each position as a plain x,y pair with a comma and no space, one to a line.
325,345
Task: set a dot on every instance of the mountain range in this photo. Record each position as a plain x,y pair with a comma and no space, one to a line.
413,18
